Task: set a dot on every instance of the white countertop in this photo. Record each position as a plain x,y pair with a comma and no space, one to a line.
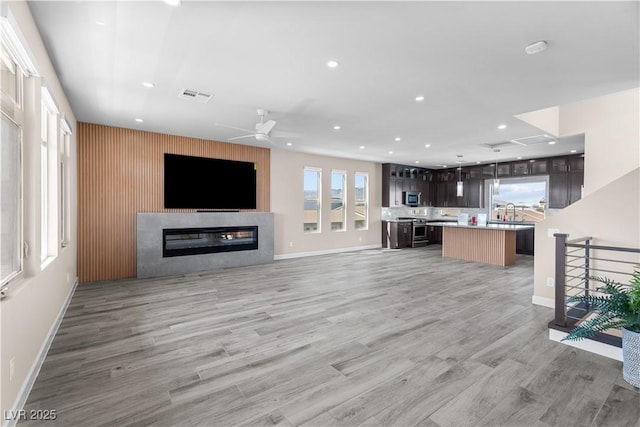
511,227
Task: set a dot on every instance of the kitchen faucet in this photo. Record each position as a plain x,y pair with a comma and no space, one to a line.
506,211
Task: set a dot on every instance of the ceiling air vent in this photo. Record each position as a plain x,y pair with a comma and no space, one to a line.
524,141
194,95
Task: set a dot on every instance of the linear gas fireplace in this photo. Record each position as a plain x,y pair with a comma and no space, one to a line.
195,241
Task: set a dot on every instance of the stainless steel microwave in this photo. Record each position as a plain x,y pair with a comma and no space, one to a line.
411,198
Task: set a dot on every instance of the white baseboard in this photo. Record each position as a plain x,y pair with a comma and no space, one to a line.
545,302
23,394
326,252
606,350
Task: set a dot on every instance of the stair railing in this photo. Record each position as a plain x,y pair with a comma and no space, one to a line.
576,261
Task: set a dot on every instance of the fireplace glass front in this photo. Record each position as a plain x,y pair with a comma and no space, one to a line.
195,241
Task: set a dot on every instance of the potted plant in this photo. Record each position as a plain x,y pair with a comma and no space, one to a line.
619,307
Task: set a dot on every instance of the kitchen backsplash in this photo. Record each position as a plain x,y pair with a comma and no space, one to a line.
429,212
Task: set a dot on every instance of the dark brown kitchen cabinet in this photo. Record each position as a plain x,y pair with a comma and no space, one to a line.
525,241
504,169
449,196
559,165
565,181
576,181
539,166
473,193
576,163
434,234
520,168
475,172
558,190
489,171
397,234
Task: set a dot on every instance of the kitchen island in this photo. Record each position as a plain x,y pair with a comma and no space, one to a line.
491,244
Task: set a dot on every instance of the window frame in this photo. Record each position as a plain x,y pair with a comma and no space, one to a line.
318,199
49,190
11,108
365,200
64,218
343,199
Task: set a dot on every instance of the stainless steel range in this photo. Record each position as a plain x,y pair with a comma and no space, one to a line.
419,235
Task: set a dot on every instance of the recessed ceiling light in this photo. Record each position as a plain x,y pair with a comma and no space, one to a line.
477,163
332,63
536,47
419,98
390,152
139,120
100,23
417,161
148,84
289,144
336,127
502,127
444,166
362,147
573,151
551,142
519,157
397,138
173,2
427,145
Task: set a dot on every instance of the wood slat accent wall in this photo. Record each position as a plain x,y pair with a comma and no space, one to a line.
497,247
120,173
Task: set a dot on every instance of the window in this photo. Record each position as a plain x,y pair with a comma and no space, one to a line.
519,199
10,80
10,200
312,194
10,167
338,211
361,196
48,179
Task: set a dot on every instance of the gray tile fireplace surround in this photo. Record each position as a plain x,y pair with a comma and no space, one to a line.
150,262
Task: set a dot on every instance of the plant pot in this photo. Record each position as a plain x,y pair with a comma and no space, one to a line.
631,357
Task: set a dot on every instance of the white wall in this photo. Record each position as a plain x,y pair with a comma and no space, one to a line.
36,299
287,204
611,125
610,208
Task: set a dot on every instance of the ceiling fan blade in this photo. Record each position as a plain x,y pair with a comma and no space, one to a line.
243,136
233,127
265,127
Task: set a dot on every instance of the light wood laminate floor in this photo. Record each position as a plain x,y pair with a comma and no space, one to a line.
394,338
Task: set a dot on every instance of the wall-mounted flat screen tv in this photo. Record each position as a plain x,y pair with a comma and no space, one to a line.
204,183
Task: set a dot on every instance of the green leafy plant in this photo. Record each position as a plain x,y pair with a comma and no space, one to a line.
618,308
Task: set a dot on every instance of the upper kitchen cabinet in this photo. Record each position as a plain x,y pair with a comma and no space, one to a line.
504,170
559,164
576,163
399,178
521,168
539,166
489,171
565,180
473,193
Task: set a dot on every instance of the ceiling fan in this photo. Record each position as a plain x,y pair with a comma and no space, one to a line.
263,129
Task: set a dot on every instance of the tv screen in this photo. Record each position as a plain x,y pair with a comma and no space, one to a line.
204,183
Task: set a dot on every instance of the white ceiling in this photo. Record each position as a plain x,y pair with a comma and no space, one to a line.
466,58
